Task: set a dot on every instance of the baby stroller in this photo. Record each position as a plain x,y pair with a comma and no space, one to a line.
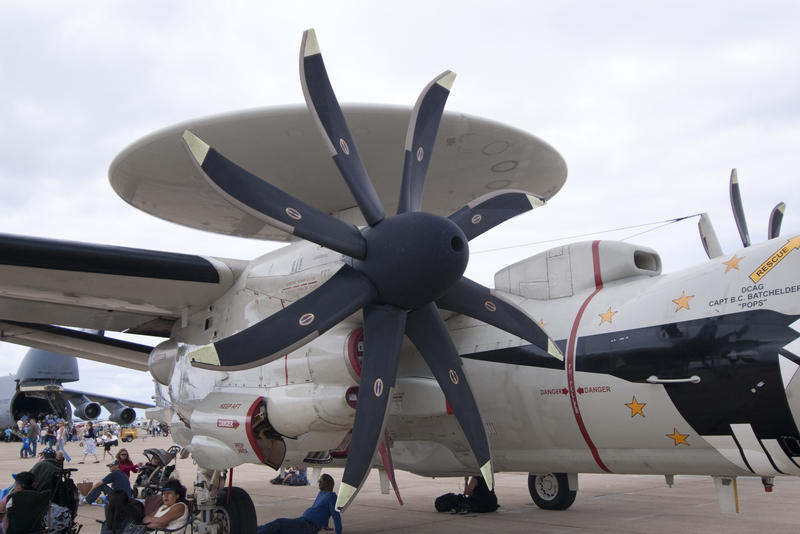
158,469
65,496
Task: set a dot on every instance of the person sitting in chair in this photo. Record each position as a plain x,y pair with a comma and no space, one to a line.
174,512
28,505
46,470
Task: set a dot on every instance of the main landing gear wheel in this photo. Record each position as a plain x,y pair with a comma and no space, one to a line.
551,491
241,514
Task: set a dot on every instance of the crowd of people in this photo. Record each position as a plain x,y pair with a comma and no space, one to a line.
49,430
114,490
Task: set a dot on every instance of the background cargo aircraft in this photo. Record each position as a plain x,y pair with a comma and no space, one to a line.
38,387
600,172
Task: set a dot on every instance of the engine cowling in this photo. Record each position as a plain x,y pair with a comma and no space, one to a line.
85,409
230,429
124,415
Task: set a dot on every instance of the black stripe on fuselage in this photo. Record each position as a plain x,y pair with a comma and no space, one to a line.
735,355
104,259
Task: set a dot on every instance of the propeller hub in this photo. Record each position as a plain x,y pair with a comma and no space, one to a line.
414,258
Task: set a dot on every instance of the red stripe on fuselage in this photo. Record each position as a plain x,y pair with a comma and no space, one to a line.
573,339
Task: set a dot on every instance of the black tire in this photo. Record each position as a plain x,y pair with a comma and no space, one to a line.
241,512
127,439
551,491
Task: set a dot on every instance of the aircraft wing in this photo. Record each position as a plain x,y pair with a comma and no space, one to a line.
46,282
94,397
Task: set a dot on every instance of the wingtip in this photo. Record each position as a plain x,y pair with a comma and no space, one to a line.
197,147
310,43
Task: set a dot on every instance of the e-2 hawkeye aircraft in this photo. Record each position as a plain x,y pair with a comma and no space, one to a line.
361,344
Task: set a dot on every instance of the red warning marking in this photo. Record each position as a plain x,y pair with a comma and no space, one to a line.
228,423
301,285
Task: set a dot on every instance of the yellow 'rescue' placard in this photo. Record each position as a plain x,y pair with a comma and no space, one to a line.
775,259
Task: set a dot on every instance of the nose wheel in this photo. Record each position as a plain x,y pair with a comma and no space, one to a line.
551,491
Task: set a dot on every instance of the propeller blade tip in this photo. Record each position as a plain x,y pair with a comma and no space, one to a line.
535,201
553,350
488,474
198,148
204,355
346,494
734,176
310,43
446,79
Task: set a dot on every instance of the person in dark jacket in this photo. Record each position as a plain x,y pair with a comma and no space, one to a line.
46,470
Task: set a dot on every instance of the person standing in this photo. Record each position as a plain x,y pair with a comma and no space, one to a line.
314,518
61,435
33,434
89,445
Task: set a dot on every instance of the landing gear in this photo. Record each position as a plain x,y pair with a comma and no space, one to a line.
217,512
241,513
551,491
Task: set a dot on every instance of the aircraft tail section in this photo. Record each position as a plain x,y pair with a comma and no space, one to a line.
40,367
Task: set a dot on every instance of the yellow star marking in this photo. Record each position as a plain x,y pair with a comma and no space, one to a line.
542,323
682,301
606,317
678,437
637,408
732,263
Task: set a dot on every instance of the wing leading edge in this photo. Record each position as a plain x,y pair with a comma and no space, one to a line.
46,281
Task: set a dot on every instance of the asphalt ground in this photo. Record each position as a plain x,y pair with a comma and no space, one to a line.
605,503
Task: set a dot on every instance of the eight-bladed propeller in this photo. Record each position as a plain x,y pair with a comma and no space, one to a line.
401,270
709,237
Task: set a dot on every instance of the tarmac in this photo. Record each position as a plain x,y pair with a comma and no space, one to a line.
605,503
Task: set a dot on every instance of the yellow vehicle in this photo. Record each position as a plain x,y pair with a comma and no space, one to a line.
128,433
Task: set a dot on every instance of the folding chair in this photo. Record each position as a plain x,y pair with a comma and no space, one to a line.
27,512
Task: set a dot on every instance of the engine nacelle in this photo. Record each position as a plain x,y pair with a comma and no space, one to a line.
312,397
124,415
85,409
230,429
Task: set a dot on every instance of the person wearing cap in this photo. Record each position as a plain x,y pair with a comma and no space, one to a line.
23,481
46,470
173,512
115,479
314,518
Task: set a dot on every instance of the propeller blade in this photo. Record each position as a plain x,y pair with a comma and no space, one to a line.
709,237
383,337
346,292
268,203
775,220
492,209
470,298
388,465
420,139
325,109
738,211
427,331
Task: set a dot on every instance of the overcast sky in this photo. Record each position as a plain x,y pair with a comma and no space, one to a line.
650,103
